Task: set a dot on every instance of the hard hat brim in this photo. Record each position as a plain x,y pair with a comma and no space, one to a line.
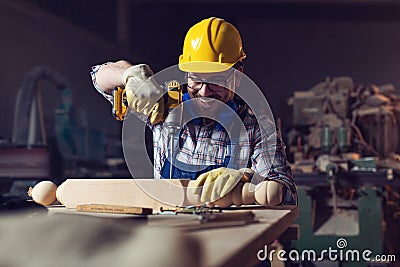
204,66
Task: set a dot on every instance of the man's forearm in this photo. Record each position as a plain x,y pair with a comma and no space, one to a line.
110,75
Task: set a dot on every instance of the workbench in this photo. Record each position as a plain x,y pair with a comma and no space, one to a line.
226,243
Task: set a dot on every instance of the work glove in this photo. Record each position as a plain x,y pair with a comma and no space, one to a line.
217,183
144,94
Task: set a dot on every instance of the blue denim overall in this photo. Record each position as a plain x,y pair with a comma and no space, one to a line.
183,170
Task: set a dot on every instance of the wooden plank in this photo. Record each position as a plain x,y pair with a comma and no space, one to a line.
145,193
157,193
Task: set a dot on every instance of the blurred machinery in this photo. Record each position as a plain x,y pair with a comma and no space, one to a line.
344,144
51,138
349,121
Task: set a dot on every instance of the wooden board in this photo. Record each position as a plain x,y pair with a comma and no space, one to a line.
145,193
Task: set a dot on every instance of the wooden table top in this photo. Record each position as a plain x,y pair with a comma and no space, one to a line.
233,242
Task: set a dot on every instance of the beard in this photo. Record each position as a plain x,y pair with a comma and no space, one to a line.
209,106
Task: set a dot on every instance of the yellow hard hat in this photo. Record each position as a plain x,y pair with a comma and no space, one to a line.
212,45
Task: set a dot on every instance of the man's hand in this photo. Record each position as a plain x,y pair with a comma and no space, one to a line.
143,92
216,183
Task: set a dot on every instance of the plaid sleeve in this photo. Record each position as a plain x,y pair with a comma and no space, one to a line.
269,161
93,73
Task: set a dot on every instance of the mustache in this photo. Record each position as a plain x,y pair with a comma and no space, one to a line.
222,98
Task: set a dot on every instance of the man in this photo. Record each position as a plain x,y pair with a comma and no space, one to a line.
212,59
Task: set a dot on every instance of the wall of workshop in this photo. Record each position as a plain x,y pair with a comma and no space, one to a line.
289,46
286,56
32,37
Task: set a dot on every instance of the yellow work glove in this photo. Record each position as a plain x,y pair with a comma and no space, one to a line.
216,183
144,94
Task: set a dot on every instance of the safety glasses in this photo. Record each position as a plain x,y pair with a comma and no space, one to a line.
216,84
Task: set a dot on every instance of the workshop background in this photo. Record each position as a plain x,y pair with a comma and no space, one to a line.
292,46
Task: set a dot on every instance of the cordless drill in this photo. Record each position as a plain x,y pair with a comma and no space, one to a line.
171,100
119,104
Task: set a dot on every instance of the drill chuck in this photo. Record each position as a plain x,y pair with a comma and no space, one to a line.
173,120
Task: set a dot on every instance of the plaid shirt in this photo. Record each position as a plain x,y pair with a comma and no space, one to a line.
262,150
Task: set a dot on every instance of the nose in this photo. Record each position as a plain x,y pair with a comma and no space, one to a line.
204,90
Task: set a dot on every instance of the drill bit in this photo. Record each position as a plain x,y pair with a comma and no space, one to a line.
173,121
171,154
